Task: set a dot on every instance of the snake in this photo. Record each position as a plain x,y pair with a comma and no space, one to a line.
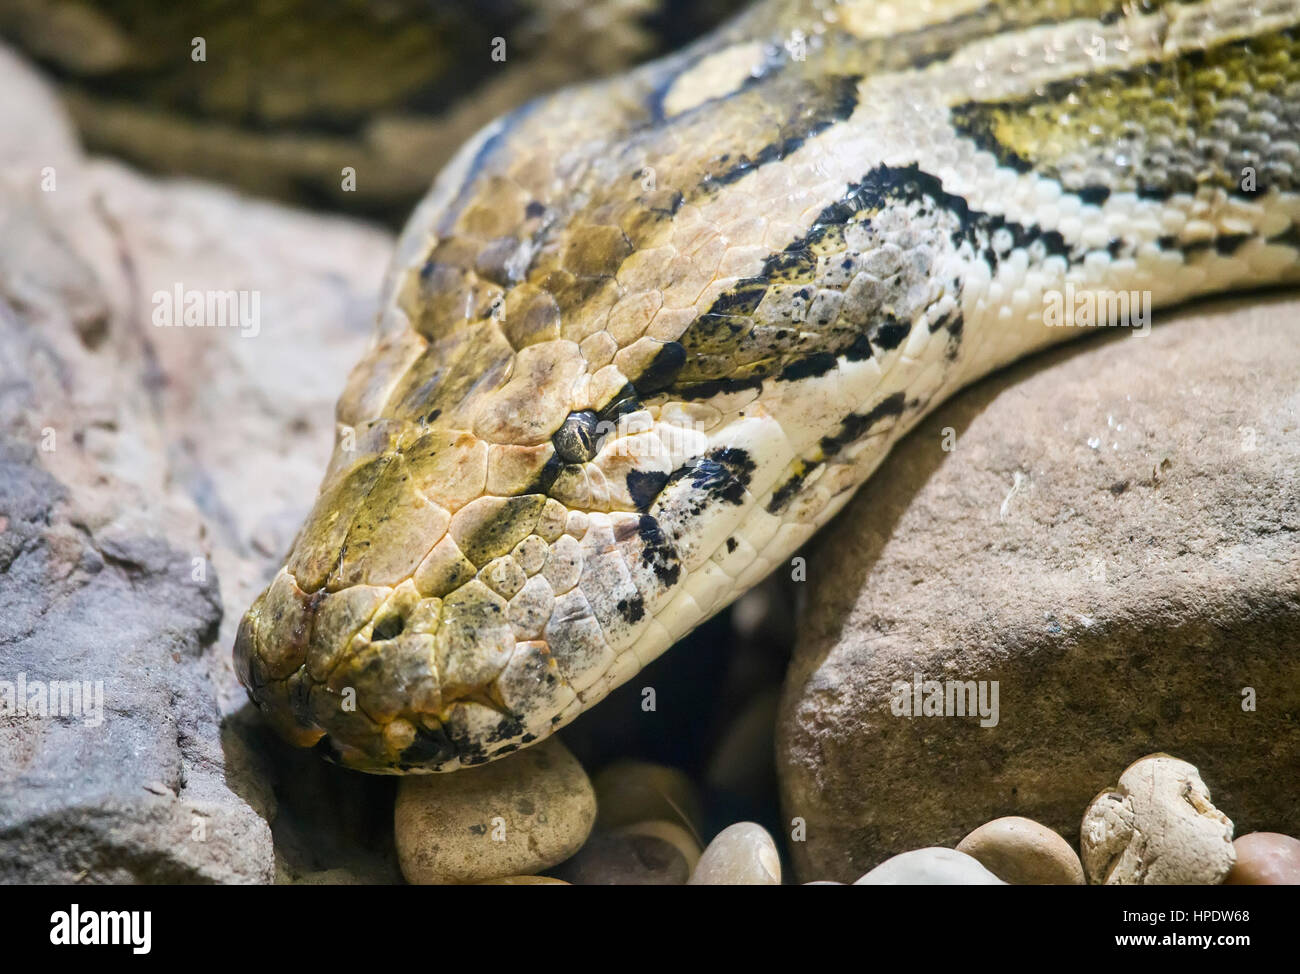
646,335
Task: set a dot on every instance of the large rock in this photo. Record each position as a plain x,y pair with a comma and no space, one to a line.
1115,540
138,465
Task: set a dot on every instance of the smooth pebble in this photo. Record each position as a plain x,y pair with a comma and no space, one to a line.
519,815
1023,852
628,792
740,855
930,867
1265,859
626,859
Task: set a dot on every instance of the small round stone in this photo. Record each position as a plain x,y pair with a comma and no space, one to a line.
515,816
624,859
628,792
1023,852
672,833
740,855
1265,859
1156,827
930,867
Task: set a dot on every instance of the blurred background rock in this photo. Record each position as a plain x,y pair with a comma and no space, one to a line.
291,92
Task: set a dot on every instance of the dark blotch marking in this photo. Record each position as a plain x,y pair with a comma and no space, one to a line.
387,628
1094,194
816,364
645,486
662,370
430,747
723,474
546,476
890,335
816,106
658,553
633,609
856,425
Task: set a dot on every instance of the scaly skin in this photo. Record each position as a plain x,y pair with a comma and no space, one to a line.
644,337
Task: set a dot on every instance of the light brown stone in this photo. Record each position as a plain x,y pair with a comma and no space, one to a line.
1265,859
1023,852
1157,827
519,815
1114,540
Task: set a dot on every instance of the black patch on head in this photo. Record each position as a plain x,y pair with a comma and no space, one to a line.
817,364
859,351
732,544
545,478
645,486
534,209
662,370
575,441
658,553
723,474
783,495
854,426
890,335
388,627
1094,194
742,299
625,401
507,729
728,323
430,747
815,107
633,609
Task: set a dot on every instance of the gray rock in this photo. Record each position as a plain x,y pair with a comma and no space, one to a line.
137,466
1115,540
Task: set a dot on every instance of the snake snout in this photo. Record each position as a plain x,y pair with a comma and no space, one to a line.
388,680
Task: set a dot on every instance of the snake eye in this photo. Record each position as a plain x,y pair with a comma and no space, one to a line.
575,440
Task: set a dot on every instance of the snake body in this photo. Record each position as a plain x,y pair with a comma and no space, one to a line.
643,337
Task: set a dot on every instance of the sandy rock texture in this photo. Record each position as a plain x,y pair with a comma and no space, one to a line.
1114,538
150,479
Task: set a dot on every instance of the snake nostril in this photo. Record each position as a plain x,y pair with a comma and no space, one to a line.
388,627
576,440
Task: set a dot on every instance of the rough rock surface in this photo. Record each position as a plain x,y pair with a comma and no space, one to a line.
1115,539
139,465
1157,827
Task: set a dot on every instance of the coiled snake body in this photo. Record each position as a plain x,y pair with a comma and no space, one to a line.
645,336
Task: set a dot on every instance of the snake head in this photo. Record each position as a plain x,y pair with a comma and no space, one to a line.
533,493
